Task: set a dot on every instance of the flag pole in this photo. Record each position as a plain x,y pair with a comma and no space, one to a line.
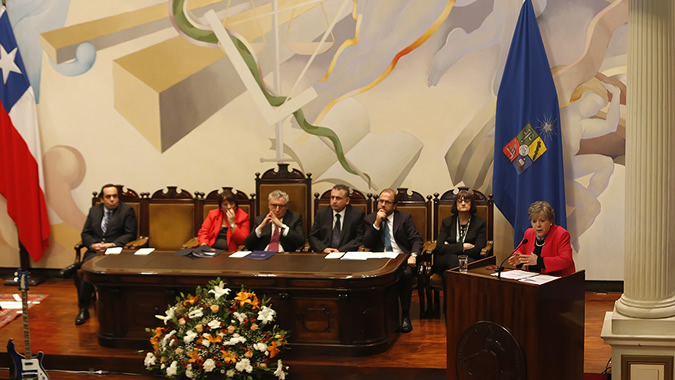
24,262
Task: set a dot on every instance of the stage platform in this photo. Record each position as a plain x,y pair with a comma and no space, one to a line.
72,352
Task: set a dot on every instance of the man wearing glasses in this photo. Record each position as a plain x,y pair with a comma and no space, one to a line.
280,230
391,230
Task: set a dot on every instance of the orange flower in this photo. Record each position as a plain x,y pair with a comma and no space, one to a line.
199,328
214,308
254,327
216,339
155,338
194,356
190,300
243,298
256,302
229,356
273,349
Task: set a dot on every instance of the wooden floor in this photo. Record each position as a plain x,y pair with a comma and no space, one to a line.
71,352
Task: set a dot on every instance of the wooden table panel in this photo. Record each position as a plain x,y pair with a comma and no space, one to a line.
331,307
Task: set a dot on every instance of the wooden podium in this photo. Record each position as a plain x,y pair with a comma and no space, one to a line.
506,329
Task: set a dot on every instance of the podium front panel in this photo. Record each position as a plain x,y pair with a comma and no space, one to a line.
547,321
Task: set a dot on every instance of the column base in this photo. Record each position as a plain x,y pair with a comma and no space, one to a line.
645,309
642,349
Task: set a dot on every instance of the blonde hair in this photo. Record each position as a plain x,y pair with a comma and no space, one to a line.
541,208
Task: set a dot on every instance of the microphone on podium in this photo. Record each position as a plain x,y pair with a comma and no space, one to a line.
501,266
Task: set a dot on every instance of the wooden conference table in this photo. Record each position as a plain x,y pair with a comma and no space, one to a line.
331,307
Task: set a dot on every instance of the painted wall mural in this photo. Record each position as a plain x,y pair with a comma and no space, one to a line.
204,93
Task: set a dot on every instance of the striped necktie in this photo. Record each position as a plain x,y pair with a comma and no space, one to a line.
105,221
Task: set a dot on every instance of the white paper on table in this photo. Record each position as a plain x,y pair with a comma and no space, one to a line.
539,279
354,256
113,251
515,274
144,251
382,255
239,254
334,255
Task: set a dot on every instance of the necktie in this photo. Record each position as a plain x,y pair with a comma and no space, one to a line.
105,221
387,236
335,241
274,241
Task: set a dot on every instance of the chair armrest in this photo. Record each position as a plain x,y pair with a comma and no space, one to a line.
487,250
138,243
78,251
426,259
192,243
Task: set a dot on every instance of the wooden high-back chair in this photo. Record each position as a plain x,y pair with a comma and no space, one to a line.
171,219
416,205
297,185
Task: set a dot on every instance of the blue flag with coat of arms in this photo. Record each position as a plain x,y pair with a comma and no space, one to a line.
528,161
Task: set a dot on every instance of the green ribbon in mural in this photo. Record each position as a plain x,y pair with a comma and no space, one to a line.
207,37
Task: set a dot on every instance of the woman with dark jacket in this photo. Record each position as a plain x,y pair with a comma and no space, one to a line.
463,233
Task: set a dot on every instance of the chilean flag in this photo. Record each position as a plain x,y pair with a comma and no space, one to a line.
21,180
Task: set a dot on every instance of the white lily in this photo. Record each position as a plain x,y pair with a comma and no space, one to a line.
169,314
220,290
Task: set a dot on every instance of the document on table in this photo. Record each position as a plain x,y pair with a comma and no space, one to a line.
357,255
354,256
334,255
516,274
382,255
239,254
144,251
539,279
113,251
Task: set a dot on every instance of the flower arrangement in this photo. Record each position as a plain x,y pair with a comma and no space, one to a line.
211,335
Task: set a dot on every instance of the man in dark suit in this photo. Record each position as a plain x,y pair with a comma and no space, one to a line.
279,230
338,228
391,230
110,223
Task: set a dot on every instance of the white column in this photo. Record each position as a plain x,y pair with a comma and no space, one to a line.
641,329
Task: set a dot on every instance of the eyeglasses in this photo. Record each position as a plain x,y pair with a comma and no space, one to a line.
385,202
276,205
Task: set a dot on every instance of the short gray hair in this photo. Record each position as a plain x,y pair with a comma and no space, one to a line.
541,208
276,194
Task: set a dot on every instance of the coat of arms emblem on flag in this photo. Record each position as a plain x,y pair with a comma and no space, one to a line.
526,148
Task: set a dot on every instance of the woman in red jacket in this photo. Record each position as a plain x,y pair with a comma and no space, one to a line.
548,248
227,226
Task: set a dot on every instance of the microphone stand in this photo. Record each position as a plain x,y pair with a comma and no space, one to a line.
500,269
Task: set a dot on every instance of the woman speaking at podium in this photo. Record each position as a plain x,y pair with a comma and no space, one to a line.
548,248
227,226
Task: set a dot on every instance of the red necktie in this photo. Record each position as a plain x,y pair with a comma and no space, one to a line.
274,241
